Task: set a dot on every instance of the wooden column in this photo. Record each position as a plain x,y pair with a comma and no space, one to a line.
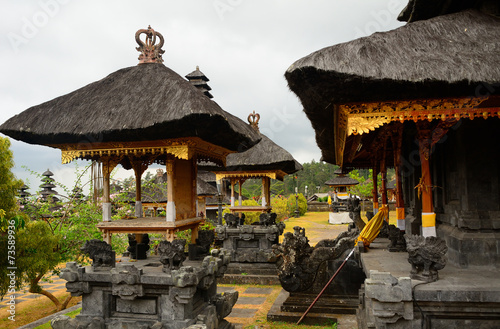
424,187
240,196
170,190
194,197
396,145
232,192
263,192
108,164
375,188
139,168
268,191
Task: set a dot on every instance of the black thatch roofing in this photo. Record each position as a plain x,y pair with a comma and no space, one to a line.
342,181
205,189
265,155
424,9
139,103
446,56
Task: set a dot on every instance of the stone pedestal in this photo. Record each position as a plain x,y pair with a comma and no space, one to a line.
142,295
339,218
250,243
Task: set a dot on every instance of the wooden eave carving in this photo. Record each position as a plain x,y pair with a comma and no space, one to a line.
365,117
181,148
276,174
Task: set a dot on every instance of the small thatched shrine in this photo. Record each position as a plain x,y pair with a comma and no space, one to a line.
422,98
134,117
341,184
266,160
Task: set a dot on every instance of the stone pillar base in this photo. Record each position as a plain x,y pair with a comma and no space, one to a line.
106,211
138,209
170,211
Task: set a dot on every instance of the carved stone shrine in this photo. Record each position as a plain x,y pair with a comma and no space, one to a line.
158,292
250,243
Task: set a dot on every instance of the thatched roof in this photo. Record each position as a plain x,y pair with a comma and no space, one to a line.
342,181
446,56
424,9
206,175
265,155
139,103
205,189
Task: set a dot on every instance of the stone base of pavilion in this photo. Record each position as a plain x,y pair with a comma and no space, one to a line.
142,294
339,218
461,298
253,260
251,273
150,225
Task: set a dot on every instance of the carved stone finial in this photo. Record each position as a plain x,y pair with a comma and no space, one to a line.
103,257
253,120
172,254
150,51
426,255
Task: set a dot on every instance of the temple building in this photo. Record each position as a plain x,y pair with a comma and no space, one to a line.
425,99
134,117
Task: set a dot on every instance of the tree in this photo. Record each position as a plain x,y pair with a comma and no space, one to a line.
54,234
10,220
37,255
9,185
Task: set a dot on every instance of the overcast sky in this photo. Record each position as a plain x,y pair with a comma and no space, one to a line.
52,47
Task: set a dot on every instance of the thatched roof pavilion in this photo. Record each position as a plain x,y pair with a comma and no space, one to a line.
266,160
134,117
341,184
416,81
423,98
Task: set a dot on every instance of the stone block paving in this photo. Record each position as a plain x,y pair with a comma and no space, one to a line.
248,304
56,285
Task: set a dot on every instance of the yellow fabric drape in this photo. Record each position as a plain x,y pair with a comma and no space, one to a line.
372,229
329,199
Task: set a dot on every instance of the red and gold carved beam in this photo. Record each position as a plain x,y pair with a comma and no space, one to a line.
366,117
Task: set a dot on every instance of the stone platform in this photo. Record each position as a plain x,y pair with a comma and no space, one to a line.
146,294
461,298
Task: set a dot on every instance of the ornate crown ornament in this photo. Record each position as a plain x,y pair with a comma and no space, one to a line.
150,51
253,120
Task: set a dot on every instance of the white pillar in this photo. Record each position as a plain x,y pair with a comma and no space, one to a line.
106,211
138,209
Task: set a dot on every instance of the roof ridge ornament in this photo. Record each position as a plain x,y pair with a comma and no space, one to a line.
150,51
253,120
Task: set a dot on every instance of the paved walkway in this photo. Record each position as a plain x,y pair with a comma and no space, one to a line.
53,285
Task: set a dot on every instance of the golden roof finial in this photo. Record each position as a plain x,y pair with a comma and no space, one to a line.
150,51
253,120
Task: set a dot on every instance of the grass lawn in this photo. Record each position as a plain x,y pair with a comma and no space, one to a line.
32,310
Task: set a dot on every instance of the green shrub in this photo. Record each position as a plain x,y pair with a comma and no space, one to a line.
280,207
292,204
250,216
